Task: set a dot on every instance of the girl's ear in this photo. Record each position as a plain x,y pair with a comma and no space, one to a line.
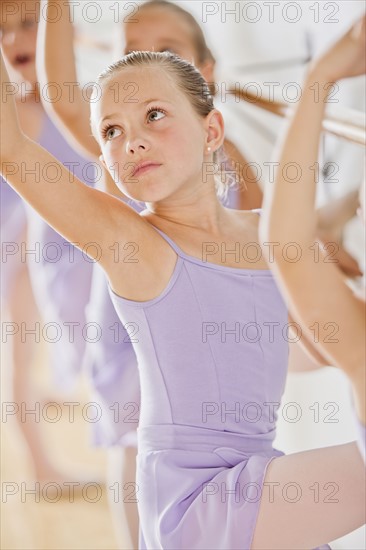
215,130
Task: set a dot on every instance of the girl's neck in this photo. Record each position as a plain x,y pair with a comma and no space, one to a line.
204,212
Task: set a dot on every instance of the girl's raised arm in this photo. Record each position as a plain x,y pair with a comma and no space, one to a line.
81,214
317,294
56,64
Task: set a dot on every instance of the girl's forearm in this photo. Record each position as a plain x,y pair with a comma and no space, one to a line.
55,54
289,213
56,64
58,37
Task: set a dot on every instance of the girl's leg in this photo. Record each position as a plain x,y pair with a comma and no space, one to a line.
131,494
311,498
121,477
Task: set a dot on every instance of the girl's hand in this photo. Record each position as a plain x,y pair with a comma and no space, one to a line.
346,58
10,132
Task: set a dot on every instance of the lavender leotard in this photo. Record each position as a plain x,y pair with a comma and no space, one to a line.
112,364
60,274
213,364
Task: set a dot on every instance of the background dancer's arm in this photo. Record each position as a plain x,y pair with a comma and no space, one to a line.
56,64
313,285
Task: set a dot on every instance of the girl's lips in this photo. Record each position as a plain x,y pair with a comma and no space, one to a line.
144,167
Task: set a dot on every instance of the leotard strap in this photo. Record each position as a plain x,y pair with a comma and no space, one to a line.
169,240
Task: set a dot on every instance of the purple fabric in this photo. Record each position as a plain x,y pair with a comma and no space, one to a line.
208,397
13,227
60,273
112,368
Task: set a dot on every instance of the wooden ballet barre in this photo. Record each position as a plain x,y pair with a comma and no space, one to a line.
343,122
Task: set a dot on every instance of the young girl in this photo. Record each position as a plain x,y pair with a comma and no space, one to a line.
37,264
202,316
321,280
111,361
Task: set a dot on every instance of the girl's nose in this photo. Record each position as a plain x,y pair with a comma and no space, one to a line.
136,145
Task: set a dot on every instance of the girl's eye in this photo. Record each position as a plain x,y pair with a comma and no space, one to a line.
111,132
155,114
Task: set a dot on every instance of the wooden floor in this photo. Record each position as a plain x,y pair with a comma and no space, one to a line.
29,522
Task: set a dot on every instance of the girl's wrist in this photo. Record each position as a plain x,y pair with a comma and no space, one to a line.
318,73
319,83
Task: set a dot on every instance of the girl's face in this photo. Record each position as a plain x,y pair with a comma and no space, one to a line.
151,122
157,29
18,37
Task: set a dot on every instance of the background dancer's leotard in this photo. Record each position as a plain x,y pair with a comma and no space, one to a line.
60,273
112,367
213,363
13,228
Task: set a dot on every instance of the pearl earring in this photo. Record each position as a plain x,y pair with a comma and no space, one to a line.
208,149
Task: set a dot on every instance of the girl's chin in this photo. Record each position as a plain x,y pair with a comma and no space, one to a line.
146,195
